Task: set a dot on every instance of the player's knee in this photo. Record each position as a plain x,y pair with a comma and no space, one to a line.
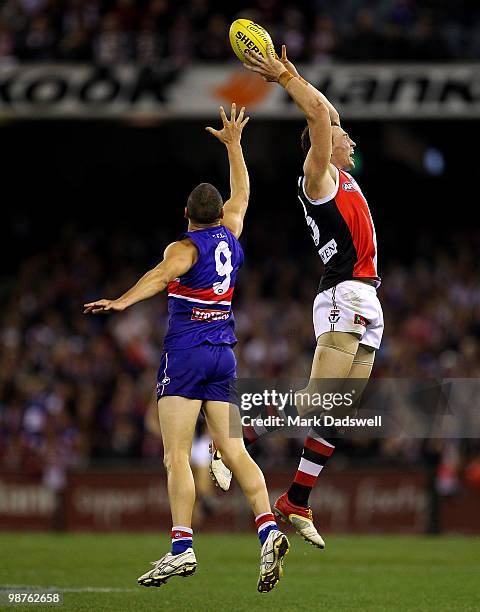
175,458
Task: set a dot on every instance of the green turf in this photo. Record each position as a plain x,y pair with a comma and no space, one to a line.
353,573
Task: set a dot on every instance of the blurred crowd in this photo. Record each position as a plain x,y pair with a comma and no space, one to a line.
149,31
76,388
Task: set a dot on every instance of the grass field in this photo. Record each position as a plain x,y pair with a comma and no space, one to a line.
98,572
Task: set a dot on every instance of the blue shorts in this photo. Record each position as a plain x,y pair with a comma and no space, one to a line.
204,372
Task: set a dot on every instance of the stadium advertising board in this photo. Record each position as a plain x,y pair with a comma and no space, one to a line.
372,92
374,502
25,502
362,501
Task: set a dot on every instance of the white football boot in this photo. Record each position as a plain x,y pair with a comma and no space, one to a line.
220,473
168,566
272,556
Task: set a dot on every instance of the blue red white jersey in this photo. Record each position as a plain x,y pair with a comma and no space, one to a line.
200,301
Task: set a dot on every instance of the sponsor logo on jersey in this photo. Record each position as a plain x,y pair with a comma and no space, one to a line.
334,316
328,251
359,320
203,314
349,186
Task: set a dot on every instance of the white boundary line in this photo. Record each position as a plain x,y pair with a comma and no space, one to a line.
58,589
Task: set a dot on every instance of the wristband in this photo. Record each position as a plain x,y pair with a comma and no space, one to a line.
285,78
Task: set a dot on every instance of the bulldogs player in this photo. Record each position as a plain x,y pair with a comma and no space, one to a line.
198,364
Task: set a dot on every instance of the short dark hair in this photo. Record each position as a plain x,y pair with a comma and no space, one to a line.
305,141
204,204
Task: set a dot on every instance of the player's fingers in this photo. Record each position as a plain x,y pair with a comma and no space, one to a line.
240,115
212,131
233,112
223,116
244,122
246,58
254,68
253,58
284,53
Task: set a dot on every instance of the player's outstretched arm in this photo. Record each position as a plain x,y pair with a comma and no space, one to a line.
235,208
178,258
318,181
334,115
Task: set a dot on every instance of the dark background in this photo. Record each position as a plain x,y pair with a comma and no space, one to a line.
106,176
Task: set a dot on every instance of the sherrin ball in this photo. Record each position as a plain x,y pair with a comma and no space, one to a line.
245,34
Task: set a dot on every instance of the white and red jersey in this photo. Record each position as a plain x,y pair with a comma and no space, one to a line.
343,232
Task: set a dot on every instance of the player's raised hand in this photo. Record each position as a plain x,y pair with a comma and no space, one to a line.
232,128
287,63
103,306
270,68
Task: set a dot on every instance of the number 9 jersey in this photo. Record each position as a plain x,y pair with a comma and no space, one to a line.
200,301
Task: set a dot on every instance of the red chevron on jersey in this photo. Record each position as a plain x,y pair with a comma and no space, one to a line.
175,289
200,301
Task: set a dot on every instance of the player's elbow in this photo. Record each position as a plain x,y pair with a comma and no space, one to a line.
159,278
317,111
335,117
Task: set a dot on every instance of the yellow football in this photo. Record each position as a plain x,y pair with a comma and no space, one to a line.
245,34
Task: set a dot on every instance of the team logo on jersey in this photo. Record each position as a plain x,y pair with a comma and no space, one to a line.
349,186
328,251
359,320
334,316
203,314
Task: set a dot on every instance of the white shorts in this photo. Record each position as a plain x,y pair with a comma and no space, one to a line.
351,306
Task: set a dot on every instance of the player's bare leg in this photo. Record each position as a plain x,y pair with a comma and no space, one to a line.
338,356
178,417
332,362
274,543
